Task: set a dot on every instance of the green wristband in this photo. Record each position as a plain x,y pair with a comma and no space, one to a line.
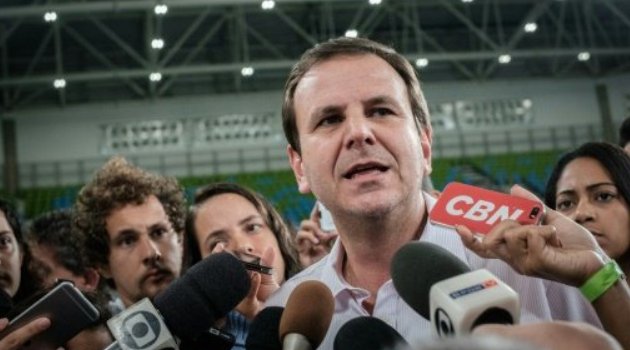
601,281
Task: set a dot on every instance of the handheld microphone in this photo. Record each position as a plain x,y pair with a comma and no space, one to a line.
188,308
264,330
306,316
441,288
368,333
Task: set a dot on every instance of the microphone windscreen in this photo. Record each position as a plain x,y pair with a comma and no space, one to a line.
417,266
368,333
308,312
6,303
264,330
207,292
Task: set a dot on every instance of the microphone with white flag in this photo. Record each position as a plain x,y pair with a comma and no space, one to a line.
187,310
442,289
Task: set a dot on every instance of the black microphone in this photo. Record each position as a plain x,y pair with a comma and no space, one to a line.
264,331
442,289
189,307
368,333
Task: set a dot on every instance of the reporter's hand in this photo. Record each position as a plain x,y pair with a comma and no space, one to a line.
555,335
17,338
312,242
261,285
559,249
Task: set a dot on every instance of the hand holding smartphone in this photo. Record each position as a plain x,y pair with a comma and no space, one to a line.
69,312
480,209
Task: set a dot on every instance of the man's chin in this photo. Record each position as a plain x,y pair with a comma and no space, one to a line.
153,287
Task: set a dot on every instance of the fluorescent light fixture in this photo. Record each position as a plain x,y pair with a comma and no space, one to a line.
155,76
531,27
268,4
50,16
247,71
422,62
160,9
584,56
352,33
157,44
59,83
505,59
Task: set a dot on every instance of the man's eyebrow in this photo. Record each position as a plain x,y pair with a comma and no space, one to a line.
380,99
327,110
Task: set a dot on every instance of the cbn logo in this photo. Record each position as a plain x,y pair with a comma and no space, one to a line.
141,330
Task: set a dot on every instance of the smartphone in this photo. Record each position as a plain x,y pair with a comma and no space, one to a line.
252,263
480,209
68,310
325,220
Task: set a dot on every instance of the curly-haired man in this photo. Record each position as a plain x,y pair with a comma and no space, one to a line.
133,222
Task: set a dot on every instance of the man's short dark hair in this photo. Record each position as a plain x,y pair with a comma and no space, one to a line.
351,47
54,231
115,185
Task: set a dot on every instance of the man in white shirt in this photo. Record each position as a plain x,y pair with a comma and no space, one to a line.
360,140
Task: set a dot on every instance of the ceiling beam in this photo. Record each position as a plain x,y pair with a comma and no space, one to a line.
287,64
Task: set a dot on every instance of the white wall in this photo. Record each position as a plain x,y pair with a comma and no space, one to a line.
73,132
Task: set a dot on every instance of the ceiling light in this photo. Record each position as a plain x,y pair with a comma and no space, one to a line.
50,16
247,71
268,4
584,56
375,2
422,62
352,33
157,43
59,83
467,1
160,10
155,76
531,27
505,59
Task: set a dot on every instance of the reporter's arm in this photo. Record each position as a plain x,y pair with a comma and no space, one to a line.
560,250
611,308
555,335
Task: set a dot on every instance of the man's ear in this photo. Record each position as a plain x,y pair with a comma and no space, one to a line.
426,139
295,159
91,279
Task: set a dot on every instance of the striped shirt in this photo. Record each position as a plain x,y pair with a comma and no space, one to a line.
541,300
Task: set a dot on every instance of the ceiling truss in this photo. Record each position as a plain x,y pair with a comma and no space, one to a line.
103,49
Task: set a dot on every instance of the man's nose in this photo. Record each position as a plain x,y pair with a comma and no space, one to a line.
150,250
359,131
